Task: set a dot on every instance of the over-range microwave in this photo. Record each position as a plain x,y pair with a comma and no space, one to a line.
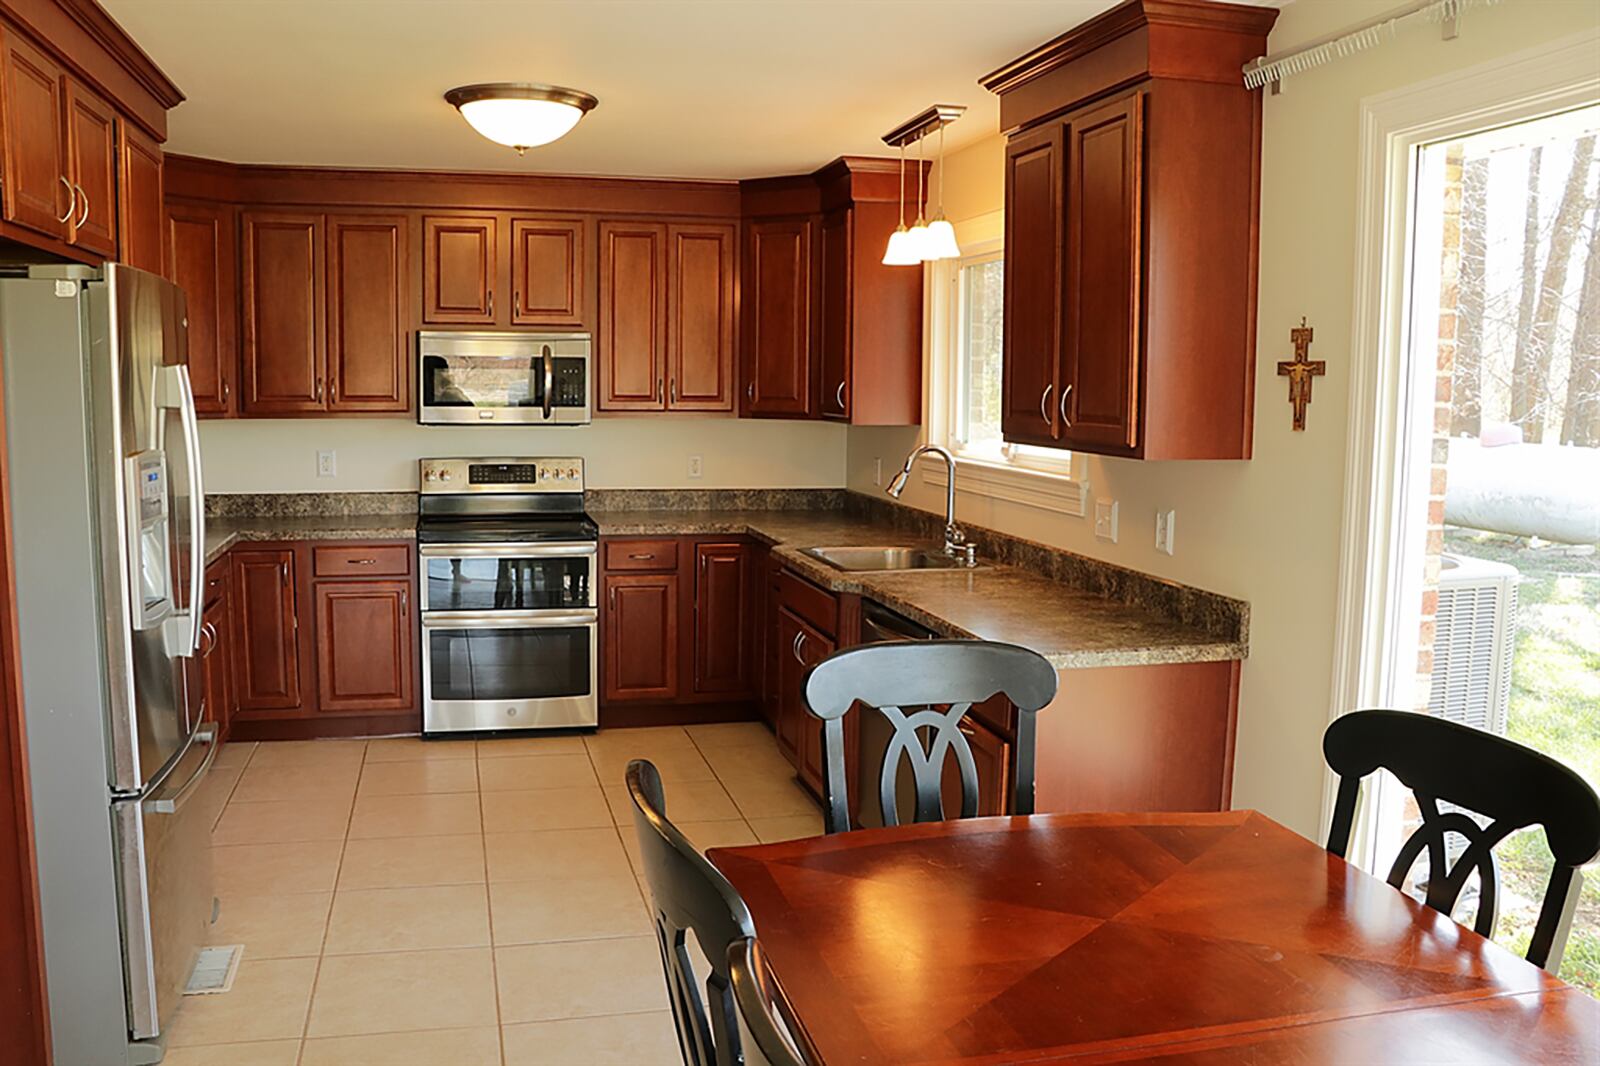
503,378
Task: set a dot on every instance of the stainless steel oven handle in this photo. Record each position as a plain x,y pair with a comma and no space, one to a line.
507,619
502,550
549,381
174,803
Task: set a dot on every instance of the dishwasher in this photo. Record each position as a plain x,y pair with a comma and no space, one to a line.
879,625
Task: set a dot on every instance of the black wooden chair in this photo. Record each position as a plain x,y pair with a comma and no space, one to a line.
766,1028
689,894
924,689
1510,785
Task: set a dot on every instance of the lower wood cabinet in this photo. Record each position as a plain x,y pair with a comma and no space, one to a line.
641,649
267,668
365,632
216,649
724,641
991,757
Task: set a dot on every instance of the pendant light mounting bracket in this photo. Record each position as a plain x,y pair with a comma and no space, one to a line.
923,123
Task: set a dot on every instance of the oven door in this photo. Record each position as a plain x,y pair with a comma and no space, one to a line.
509,670
508,577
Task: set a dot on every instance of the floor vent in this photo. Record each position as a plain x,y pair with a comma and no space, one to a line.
214,970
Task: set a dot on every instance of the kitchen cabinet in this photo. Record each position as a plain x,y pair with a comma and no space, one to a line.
808,630
92,163
142,226
216,663
267,664
991,757
1132,202
724,648
364,636
779,372
202,259
368,356
808,649
324,314
666,328
548,272
641,637
37,191
459,270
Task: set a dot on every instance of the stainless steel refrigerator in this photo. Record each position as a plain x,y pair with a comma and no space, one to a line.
109,531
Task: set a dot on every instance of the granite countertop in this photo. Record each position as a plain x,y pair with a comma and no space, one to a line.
224,533
1071,627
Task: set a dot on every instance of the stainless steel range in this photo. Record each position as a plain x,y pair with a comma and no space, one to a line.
509,609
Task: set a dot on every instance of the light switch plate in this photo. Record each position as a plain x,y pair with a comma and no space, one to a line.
327,463
1105,520
1165,523
696,466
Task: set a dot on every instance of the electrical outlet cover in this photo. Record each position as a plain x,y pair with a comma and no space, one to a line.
1166,521
1105,520
327,463
696,466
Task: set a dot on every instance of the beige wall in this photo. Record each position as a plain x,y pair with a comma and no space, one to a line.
375,455
1265,530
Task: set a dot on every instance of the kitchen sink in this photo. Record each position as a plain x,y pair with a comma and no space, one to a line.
884,558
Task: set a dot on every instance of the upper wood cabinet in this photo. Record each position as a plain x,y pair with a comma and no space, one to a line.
141,233
779,370
548,272
37,191
92,169
665,340
459,269
324,302
1132,202
203,260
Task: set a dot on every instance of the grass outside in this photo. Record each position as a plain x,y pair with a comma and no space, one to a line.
1555,707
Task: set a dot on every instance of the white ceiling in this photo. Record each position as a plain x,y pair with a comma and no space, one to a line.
687,88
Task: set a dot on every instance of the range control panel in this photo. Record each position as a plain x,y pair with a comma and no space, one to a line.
500,475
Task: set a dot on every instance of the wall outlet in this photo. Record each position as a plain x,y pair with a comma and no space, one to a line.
1105,520
877,470
696,466
1165,522
327,463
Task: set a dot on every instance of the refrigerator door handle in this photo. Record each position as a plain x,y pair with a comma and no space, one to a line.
182,631
174,802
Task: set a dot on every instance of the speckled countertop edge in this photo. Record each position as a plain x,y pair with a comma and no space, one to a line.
224,533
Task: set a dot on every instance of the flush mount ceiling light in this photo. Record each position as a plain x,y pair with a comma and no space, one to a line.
925,241
520,116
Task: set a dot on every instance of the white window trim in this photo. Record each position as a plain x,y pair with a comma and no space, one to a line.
1377,595
1039,481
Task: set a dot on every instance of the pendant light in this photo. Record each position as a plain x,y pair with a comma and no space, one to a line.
521,116
900,251
941,238
920,242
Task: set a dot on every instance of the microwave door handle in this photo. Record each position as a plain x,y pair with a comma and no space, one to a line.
183,634
549,382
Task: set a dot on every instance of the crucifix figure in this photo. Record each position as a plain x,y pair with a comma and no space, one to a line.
1300,371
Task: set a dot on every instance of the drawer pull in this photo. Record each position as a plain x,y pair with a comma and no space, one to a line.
799,639
642,556
362,562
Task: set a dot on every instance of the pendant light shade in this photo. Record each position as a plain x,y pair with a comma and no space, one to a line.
901,250
941,240
921,240
926,240
521,116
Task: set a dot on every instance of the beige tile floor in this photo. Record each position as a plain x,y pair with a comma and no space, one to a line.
461,902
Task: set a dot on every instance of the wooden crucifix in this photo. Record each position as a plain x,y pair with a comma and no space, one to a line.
1300,371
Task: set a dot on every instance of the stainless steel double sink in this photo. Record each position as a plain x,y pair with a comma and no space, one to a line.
885,558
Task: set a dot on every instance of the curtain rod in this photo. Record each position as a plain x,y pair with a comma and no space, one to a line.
1275,67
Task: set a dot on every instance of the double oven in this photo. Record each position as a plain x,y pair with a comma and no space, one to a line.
507,560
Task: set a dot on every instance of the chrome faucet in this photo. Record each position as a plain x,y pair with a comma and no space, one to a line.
955,541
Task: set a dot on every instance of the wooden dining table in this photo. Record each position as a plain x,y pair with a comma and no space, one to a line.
1193,938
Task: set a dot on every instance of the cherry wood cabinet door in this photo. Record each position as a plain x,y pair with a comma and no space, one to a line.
459,269
368,294
92,149
547,272
991,756
217,661
641,637
777,302
787,671
631,346
724,651
800,656
142,218
834,259
1104,207
37,190
201,260
700,317
284,282
364,635
267,660
1030,405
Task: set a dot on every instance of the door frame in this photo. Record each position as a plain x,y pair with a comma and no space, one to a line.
1371,666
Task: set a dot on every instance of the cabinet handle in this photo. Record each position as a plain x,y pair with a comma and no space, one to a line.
1044,403
658,390
799,639
838,396
226,389
750,390
672,391
362,562
613,595
85,216
333,391
491,303
405,600
641,556
966,729
72,201
283,572
1065,421
319,390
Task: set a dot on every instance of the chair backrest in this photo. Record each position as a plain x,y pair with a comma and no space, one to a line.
689,894
1510,785
767,1031
924,689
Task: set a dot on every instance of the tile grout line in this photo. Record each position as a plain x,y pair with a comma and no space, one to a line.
488,910
327,924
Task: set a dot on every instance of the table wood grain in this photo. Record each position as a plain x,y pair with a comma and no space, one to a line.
1204,938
